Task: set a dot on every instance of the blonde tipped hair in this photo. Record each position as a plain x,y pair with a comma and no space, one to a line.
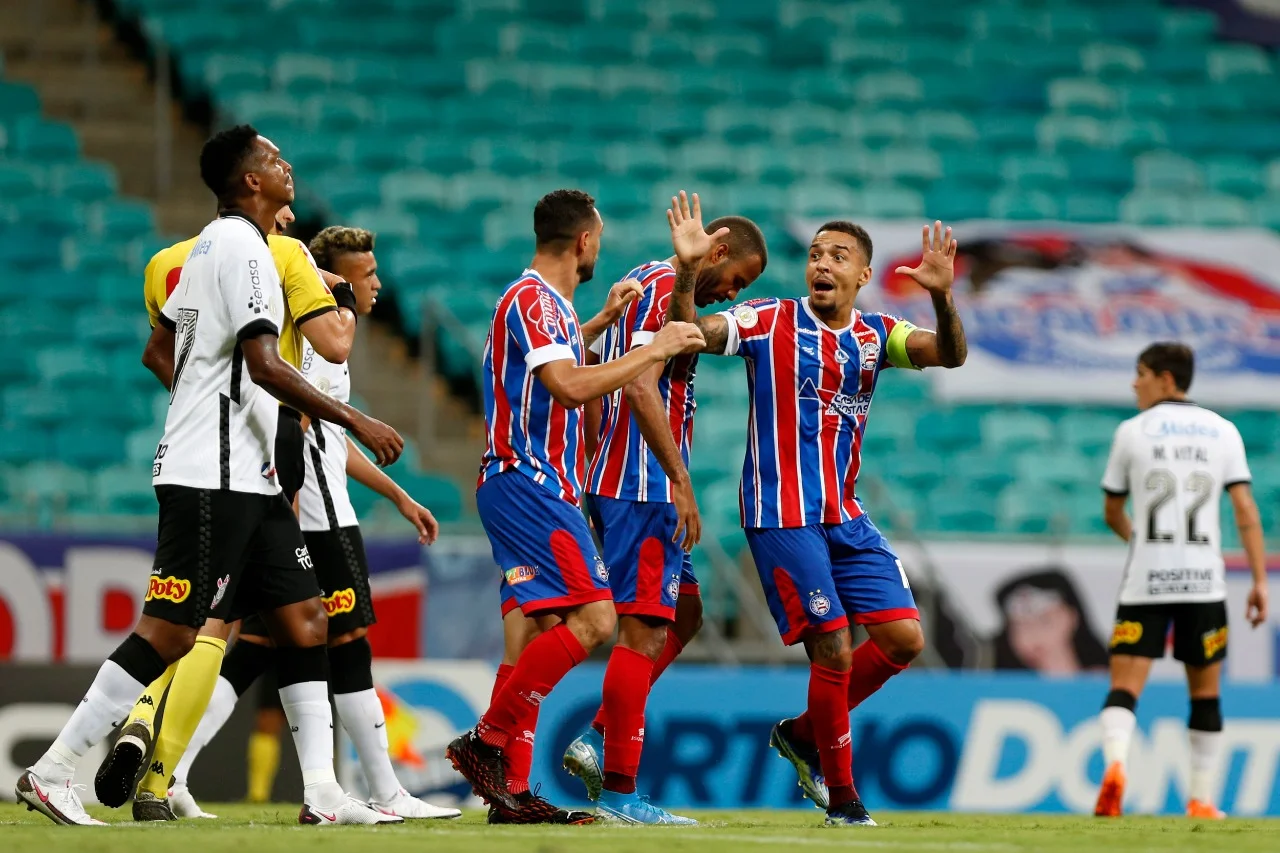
339,240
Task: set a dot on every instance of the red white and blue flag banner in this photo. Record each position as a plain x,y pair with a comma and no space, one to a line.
1059,312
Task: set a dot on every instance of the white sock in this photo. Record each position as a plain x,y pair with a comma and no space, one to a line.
105,706
221,704
361,715
1206,747
311,720
1117,730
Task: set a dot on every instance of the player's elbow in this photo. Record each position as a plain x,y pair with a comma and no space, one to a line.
329,337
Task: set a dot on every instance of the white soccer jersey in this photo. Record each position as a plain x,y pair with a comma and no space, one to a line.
220,430
323,503
1174,460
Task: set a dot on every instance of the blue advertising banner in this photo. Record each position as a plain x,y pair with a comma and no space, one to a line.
964,742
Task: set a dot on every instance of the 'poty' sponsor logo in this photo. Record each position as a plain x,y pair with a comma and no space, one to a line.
342,601
1126,633
169,589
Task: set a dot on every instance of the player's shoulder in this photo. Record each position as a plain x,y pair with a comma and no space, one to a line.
285,248
172,255
654,273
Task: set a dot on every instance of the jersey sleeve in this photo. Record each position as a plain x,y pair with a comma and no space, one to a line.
305,291
245,272
150,294
1236,470
750,324
650,315
1115,480
538,327
897,331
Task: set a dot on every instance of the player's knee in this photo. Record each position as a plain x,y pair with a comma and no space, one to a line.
593,623
646,636
1206,715
349,637
301,625
688,618
904,642
170,641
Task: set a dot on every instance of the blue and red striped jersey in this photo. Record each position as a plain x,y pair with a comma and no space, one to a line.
528,431
810,388
624,467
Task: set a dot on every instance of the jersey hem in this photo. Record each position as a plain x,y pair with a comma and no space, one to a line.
1115,493
549,353
1248,482
1164,601
257,328
169,324
190,484
311,315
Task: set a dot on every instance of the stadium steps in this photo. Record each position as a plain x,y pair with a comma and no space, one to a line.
86,77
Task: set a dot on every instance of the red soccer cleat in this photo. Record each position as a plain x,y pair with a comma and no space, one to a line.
1111,795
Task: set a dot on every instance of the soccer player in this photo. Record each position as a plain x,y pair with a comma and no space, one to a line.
227,541
1176,458
812,365
530,483
332,534
644,511
327,318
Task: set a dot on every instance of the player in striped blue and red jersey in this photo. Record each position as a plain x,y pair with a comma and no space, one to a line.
812,366
643,508
530,484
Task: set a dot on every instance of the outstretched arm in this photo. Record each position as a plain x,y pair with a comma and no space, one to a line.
364,472
692,244
947,346
573,385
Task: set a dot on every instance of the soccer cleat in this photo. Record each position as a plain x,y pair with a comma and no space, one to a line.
60,803
1111,794
1205,811
633,808
481,765
184,805
804,758
409,807
148,808
350,812
118,772
536,809
852,813
584,758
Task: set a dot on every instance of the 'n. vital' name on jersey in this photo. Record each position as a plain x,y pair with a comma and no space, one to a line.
1174,461
220,430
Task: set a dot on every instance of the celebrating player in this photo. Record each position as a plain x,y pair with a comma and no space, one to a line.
530,481
1177,459
228,542
643,509
333,539
812,365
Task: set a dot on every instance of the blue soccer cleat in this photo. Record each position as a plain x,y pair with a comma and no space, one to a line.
633,808
584,758
852,813
804,758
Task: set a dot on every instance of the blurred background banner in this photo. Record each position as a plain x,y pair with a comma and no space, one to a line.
1005,742
1059,312
73,598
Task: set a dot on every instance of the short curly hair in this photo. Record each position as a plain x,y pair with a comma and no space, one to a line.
339,240
223,160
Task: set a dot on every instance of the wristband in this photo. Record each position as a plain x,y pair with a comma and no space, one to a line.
345,295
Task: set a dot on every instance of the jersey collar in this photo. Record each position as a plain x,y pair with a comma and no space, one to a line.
237,213
853,318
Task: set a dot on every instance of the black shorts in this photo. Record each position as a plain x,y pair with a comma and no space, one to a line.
1199,631
290,468
343,574
223,555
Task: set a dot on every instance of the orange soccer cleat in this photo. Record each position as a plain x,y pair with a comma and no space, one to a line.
1205,811
1111,795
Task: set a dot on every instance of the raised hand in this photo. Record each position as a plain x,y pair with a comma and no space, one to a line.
675,338
690,240
936,270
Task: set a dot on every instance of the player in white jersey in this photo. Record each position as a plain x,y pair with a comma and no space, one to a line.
1173,461
332,535
227,542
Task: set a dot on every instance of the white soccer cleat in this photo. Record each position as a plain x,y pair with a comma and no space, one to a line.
409,807
350,812
60,803
184,805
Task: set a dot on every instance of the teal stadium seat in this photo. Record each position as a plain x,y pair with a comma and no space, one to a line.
126,490
84,181
1227,63
20,180
1220,211
1023,204
1005,431
43,141
1167,172
1090,207
1154,208
303,75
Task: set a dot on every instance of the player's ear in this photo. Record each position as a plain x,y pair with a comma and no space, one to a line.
719,253
865,278
583,243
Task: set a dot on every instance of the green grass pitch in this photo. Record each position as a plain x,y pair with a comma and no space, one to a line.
272,829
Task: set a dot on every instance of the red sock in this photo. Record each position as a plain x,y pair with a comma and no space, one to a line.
626,688
541,666
670,652
828,694
499,680
870,670
518,755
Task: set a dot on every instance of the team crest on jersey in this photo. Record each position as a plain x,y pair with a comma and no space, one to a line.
223,583
819,605
322,384
870,352
1214,641
673,588
746,316
602,571
1126,633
